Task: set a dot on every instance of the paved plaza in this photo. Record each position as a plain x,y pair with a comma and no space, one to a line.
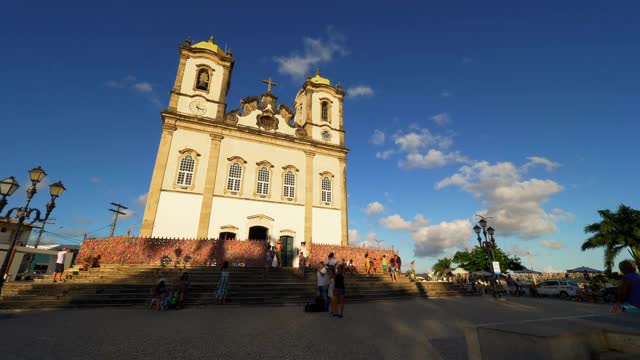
405,329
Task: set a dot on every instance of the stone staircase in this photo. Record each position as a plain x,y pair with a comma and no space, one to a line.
130,285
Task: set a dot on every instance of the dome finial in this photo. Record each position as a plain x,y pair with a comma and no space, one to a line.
317,72
211,39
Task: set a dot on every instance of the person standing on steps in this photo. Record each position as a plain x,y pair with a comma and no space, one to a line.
321,275
384,264
302,264
332,262
367,264
338,293
399,264
279,252
392,270
223,284
62,256
305,252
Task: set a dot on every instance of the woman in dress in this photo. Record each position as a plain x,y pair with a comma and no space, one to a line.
223,283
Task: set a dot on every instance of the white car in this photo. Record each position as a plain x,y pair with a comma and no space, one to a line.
560,288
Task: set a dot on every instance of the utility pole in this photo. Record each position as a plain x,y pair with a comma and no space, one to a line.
115,216
50,221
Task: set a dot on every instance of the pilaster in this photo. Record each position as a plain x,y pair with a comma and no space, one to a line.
343,203
153,197
177,86
209,184
308,197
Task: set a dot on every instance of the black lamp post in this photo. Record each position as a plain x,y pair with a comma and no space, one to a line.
488,245
7,188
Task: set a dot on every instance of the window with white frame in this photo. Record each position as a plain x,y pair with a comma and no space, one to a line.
326,189
263,181
235,177
185,171
289,185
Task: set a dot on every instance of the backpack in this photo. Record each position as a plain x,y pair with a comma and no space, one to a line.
316,306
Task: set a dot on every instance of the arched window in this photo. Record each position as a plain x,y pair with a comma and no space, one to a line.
235,177
289,185
263,181
185,171
325,111
326,189
203,78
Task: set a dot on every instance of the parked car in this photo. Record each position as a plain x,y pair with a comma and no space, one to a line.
559,288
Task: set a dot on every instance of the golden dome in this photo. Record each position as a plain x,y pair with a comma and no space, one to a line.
209,45
319,79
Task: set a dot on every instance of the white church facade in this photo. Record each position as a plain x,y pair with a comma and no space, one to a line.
264,171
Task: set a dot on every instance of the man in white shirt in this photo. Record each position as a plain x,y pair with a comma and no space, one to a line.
305,252
62,255
322,283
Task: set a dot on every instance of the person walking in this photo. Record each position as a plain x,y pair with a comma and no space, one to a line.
62,256
321,276
628,296
338,293
223,284
384,264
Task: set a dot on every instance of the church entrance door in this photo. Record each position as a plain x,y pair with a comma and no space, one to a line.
258,233
286,252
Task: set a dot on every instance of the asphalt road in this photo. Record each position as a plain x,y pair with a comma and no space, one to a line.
399,330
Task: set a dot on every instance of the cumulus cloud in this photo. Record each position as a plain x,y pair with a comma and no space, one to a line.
537,160
432,240
377,138
433,158
385,154
354,237
132,83
514,203
396,222
143,87
141,200
551,244
518,250
441,118
371,240
128,214
374,208
316,51
359,90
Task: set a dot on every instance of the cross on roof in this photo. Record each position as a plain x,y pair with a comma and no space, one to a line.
269,83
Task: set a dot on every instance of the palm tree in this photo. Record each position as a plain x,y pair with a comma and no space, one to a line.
615,232
441,267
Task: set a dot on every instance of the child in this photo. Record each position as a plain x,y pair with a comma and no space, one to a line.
223,283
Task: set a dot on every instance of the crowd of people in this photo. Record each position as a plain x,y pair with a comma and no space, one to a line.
391,266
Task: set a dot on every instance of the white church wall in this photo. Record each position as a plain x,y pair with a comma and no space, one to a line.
326,226
254,152
250,120
178,215
229,211
316,111
188,82
182,139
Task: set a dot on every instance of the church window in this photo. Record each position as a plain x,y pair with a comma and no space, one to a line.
235,177
185,172
325,111
326,135
263,181
326,189
203,77
289,185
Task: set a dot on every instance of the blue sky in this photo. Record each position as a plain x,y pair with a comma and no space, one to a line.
525,111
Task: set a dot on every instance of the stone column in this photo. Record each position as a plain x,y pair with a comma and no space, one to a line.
308,198
153,197
209,186
343,202
177,86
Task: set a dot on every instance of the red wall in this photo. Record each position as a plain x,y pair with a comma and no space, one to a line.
136,250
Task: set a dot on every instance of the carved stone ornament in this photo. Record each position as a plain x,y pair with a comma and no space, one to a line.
285,112
267,120
249,104
300,132
268,101
231,118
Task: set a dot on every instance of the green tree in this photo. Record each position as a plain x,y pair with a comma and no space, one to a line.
441,267
476,260
616,231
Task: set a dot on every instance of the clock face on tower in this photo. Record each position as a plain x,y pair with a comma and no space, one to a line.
198,107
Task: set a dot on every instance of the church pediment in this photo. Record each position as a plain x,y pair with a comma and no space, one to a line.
260,217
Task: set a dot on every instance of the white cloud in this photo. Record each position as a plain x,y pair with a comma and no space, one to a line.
537,160
316,51
377,138
421,138
518,251
515,204
434,239
370,240
359,90
551,244
142,199
385,154
551,269
143,87
433,158
354,237
441,118
374,208
395,222
560,215
445,93
127,214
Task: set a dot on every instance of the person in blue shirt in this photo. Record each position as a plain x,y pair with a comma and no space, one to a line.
628,298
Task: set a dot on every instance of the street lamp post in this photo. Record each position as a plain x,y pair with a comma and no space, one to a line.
7,188
488,245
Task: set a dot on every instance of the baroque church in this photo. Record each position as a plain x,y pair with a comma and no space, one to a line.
263,171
